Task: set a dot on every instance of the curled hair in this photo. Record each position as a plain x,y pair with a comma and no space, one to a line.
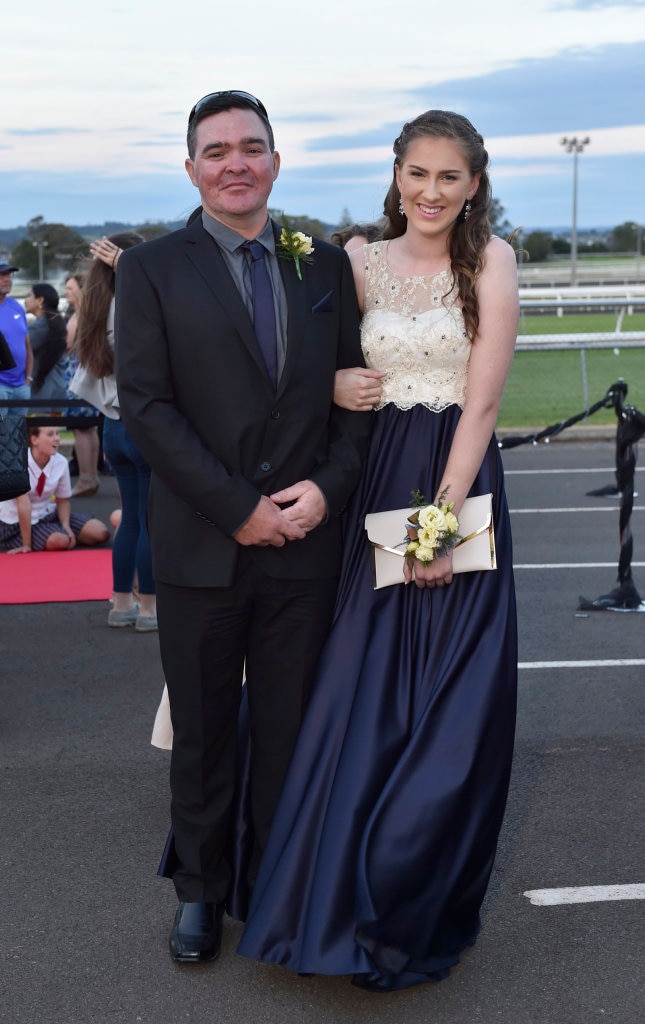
94,351
469,236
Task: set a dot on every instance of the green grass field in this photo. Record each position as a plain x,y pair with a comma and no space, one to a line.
578,323
546,387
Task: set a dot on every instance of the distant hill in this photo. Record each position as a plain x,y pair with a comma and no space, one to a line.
11,236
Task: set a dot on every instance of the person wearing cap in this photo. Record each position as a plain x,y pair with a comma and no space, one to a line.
15,381
226,350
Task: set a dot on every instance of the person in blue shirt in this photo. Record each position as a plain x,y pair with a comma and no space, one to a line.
15,381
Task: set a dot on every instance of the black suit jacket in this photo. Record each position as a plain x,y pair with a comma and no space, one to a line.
197,401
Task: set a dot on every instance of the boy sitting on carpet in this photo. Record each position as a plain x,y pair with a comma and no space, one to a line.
42,519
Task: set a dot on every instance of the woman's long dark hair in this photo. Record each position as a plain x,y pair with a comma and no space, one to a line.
92,346
469,235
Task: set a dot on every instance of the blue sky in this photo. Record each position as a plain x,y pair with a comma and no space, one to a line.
94,118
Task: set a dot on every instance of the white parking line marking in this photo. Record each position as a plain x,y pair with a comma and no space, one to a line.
541,472
585,894
587,508
572,565
607,663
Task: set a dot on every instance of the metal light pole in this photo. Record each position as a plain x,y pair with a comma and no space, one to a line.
574,145
40,245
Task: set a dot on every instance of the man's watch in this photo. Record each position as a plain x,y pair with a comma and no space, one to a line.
29,380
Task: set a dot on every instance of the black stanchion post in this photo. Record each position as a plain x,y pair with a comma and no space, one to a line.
630,429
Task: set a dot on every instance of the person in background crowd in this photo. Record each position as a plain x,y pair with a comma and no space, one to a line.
354,236
86,439
47,335
42,519
95,381
15,381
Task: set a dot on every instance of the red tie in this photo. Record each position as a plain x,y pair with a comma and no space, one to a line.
40,486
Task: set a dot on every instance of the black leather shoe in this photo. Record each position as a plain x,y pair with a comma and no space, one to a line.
196,935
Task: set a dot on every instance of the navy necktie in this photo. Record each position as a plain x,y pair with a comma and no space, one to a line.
263,309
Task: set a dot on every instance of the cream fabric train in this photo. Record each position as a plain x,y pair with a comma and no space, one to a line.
162,728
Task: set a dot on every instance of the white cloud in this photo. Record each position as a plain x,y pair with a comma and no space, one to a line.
338,70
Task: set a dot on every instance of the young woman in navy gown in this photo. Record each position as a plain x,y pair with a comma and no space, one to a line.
384,840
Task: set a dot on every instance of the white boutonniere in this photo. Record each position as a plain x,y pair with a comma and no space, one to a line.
296,246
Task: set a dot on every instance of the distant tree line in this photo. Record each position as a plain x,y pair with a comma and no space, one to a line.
56,248
539,246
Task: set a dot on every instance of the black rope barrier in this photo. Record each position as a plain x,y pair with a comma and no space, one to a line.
60,419
556,428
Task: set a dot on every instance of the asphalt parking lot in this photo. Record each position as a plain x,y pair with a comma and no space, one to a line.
84,805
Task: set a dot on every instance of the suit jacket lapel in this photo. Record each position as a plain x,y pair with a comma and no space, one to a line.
296,292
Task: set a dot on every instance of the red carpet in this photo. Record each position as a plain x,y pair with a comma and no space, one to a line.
41,577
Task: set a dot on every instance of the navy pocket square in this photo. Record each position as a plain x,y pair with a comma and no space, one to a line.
325,305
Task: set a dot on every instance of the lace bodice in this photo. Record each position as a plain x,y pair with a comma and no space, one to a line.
413,329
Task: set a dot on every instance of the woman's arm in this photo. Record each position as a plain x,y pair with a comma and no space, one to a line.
72,324
490,360
29,360
358,388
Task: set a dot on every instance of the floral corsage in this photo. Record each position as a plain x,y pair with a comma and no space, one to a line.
296,246
433,530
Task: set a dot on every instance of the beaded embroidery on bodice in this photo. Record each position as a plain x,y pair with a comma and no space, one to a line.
414,330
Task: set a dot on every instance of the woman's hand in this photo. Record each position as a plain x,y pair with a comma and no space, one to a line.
105,250
437,573
358,389
22,550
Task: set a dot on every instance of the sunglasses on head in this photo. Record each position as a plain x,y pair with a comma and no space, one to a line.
214,100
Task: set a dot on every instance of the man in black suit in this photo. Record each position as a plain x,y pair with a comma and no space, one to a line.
252,467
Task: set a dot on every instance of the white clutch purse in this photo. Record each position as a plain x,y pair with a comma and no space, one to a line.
475,551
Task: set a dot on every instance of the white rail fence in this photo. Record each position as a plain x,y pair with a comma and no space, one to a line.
615,298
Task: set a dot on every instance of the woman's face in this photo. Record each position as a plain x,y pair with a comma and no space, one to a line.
435,182
72,292
32,304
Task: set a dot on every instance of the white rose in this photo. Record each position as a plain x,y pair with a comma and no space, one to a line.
432,516
304,246
424,554
428,536
452,524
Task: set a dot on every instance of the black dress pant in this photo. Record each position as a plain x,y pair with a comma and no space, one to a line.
272,630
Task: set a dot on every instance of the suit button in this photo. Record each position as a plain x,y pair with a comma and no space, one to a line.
265,467
275,415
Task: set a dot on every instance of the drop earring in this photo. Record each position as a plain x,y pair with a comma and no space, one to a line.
401,210
467,209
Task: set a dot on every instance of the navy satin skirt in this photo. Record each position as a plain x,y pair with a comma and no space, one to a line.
385,836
